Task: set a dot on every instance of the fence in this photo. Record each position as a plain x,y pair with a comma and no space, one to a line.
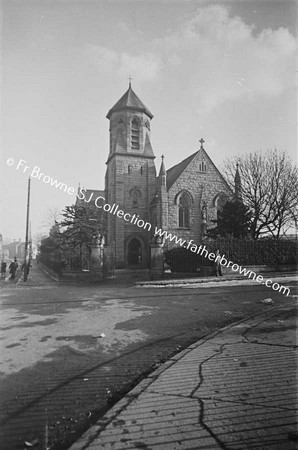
75,261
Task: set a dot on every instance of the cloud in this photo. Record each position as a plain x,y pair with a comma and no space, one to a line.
212,58
144,67
221,58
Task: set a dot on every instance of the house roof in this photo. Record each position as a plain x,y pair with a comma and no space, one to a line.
174,172
130,101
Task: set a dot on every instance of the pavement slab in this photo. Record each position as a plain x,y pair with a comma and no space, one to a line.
234,390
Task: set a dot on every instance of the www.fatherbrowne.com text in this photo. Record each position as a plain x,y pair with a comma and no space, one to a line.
135,220
201,250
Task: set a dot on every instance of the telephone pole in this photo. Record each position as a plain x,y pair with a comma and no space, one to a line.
26,260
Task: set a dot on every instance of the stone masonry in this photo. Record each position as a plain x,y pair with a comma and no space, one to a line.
183,200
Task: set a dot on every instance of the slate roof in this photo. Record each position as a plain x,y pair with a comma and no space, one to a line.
96,193
131,101
174,172
88,195
91,203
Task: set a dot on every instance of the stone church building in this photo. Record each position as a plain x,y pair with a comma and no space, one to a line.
182,200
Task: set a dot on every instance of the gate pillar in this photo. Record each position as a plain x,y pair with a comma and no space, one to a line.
96,260
156,258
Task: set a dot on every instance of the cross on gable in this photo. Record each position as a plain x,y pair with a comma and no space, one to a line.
202,142
130,80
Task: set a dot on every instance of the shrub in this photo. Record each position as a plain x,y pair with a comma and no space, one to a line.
182,260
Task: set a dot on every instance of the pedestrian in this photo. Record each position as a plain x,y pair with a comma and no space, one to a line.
3,269
217,265
26,267
12,270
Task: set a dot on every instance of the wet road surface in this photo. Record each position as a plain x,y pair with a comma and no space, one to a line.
69,352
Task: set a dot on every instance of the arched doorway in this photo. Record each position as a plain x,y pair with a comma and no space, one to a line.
134,255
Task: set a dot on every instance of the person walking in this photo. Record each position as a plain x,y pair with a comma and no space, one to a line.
26,268
217,265
3,269
12,269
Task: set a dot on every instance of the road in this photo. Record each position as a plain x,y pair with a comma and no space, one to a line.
69,352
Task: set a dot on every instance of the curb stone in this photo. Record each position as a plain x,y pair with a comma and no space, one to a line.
94,432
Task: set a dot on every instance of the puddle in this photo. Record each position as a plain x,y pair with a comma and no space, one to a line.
35,338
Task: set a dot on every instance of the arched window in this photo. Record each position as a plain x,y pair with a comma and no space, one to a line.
135,199
202,167
219,201
184,210
135,135
135,194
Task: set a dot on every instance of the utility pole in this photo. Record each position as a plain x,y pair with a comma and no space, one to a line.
26,260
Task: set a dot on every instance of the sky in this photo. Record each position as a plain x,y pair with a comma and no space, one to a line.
224,71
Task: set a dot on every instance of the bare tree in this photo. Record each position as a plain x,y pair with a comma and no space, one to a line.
52,216
269,188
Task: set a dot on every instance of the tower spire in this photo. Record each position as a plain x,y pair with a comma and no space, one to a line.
162,172
238,188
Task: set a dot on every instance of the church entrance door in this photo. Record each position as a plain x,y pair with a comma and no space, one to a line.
134,252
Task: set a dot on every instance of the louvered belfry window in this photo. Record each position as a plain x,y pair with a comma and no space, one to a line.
135,135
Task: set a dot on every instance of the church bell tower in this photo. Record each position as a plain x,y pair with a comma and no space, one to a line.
130,179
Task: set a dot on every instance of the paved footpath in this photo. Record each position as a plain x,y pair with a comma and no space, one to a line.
236,389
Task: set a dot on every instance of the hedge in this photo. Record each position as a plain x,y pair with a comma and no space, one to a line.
240,251
256,252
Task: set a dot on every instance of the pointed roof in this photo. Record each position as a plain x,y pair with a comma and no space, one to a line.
162,170
130,101
148,150
237,174
238,187
174,172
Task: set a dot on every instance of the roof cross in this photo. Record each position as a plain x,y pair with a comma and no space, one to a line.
202,142
130,80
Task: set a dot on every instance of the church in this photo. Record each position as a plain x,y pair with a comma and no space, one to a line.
183,199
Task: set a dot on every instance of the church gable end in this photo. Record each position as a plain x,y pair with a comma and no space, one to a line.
197,178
